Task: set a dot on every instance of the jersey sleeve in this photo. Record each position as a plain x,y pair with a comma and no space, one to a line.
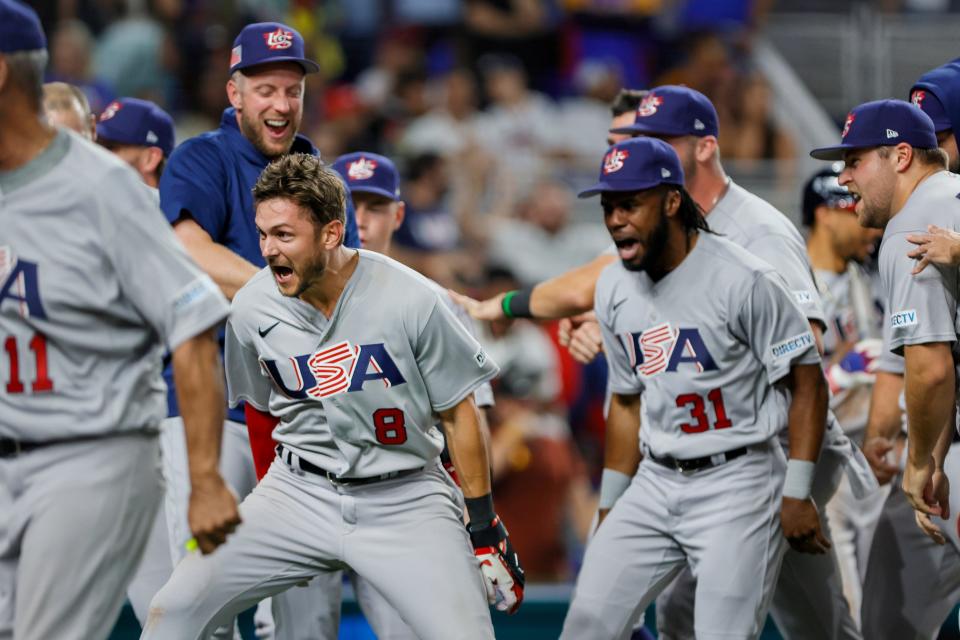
771,323
483,396
888,361
452,363
245,378
154,271
921,308
789,259
193,184
621,378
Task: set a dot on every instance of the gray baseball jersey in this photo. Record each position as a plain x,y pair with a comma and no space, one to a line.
705,345
921,308
357,394
93,285
765,232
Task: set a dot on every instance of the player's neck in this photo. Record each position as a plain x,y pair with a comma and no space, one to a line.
908,183
680,244
709,186
822,255
325,294
23,136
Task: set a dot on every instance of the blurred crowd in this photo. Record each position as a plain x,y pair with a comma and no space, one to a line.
496,111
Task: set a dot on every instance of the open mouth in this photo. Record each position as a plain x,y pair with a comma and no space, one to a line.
277,128
627,248
283,275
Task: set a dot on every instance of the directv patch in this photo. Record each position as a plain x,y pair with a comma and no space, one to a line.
792,345
906,318
802,297
196,290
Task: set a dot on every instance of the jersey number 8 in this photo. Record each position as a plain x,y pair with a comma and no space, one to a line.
389,426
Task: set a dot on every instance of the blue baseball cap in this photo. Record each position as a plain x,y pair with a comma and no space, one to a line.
672,110
139,122
264,42
930,104
20,28
369,173
882,123
637,164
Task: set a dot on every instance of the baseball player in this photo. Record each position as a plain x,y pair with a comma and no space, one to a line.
205,192
724,358
836,244
82,396
141,134
357,473
66,106
900,597
898,175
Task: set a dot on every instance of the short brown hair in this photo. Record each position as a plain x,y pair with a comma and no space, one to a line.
303,179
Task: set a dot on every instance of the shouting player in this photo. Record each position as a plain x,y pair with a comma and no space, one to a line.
358,356
93,286
724,359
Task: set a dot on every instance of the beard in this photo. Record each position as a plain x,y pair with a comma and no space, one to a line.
252,130
655,243
312,272
875,209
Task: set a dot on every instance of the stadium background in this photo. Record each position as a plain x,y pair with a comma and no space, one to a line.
497,111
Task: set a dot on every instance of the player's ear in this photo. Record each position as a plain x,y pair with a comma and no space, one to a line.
671,203
903,154
332,235
705,149
233,90
400,214
151,159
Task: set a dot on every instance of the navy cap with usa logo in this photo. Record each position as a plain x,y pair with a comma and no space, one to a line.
369,173
264,42
137,122
20,28
636,165
673,110
882,123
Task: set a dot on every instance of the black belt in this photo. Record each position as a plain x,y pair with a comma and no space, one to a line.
10,448
290,459
698,464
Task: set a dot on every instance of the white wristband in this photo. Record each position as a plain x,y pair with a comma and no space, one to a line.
799,480
612,485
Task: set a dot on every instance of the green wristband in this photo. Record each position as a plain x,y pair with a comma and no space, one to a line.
505,303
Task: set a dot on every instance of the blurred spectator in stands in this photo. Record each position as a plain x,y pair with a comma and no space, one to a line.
519,127
66,106
750,132
706,66
597,82
450,127
522,28
71,51
398,51
540,242
129,56
345,124
429,239
538,473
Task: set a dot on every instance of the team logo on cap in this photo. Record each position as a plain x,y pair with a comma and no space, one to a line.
110,111
613,161
236,55
846,125
361,169
648,106
279,39
917,97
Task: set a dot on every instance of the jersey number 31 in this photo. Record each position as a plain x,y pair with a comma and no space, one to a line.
699,413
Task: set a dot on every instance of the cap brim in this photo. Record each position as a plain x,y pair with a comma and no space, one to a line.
602,186
831,153
375,190
309,66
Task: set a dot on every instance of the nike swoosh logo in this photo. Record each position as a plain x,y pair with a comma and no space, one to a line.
616,305
263,332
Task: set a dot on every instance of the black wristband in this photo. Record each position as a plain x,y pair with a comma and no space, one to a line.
480,511
517,303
